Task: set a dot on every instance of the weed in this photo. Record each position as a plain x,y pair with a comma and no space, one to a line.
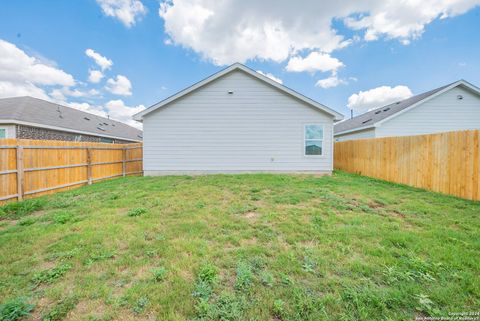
15,309
308,264
426,305
136,211
279,308
50,275
205,279
267,278
244,277
140,305
317,222
61,309
285,280
26,222
159,274
16,210
62,217
99,257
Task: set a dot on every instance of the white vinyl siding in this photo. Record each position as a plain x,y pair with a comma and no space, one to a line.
257,128
7,131
439,114
366,133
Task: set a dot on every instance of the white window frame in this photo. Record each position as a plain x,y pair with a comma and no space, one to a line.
304,143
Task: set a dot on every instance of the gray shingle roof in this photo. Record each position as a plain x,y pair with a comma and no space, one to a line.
373,116
34,110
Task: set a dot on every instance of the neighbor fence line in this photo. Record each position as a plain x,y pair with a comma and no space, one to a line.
446,162
30,168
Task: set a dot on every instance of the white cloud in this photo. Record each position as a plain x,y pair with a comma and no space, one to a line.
117,110
127,11
315,61
269,75
100,60
405,20
330,82
21,74
60,94
119,86
378,97
94,76
238,30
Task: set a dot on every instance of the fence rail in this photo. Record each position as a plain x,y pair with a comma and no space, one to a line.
30,168
447,162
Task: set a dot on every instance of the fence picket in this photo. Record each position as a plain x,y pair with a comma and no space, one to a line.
445,162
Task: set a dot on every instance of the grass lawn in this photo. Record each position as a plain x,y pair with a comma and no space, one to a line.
240,247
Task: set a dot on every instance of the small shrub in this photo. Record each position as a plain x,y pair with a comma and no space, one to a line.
136,211
50,275
18,209
159,274
140,305
244,276
61,309
15,309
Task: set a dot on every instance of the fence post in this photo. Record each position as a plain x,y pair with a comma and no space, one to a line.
124,163
89,166
20,173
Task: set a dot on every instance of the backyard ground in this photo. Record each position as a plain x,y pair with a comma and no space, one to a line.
240,247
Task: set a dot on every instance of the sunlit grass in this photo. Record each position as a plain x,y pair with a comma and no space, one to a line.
241,247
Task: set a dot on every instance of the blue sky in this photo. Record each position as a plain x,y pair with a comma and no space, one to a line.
402,51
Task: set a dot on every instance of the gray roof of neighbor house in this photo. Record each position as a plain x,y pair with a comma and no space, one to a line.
49,115
371,117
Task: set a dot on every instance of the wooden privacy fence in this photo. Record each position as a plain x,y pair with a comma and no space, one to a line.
30,168
447,162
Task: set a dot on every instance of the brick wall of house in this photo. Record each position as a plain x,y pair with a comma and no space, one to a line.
28,132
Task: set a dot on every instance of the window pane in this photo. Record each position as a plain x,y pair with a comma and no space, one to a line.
313,147
313,132
2,133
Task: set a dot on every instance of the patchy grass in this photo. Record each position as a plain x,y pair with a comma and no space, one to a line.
240,247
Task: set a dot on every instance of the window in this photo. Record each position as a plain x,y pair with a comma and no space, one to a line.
313,139
3,133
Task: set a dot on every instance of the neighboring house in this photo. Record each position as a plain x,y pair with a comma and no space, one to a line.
237,120
32,118
449,108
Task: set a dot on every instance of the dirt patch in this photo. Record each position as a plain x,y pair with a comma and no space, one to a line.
94,309
398,214
375,205
248,242
251,215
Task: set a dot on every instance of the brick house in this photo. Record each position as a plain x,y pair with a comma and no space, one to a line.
32,118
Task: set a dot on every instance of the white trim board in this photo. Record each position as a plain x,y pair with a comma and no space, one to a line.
238,66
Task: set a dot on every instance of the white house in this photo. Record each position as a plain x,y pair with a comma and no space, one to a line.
449,108
237,120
